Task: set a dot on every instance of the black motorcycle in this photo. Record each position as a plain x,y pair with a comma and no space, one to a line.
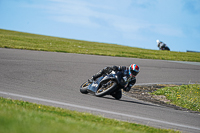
108,84
165,48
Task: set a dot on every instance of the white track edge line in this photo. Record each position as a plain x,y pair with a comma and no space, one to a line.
99,110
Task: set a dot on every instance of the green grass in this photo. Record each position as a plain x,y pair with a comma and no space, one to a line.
20,40
25,117
186,96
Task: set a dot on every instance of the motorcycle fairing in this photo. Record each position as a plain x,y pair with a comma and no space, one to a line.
92,88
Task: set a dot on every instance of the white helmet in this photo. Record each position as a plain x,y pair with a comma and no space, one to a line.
157,41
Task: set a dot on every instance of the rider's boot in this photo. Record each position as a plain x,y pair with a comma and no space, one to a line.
94,77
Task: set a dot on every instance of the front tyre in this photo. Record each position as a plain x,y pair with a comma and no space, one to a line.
83,87
106,88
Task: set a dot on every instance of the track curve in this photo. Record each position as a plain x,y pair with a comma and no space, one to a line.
54,78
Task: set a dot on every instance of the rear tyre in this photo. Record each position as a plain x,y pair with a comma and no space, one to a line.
83,87
167,49
117,95
110,87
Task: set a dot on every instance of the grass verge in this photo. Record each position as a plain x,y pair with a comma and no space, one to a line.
186,96
20,40
22,117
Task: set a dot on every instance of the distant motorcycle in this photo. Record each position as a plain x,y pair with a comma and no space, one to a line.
109,84
162,46
165,48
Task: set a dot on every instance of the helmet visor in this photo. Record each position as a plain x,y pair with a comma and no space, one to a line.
134,73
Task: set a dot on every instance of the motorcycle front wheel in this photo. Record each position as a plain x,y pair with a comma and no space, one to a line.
83,87
106,88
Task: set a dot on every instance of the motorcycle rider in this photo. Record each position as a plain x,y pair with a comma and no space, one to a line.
161,45
128,73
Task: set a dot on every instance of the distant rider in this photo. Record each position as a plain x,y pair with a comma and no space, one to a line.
128,73
161,45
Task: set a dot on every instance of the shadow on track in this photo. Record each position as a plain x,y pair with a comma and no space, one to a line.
133,102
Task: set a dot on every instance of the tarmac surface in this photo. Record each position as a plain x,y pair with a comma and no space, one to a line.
52,78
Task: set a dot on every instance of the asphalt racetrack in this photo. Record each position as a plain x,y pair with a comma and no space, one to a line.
54,79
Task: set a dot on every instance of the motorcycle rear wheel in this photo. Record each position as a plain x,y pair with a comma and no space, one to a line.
117,95
83,87
167,49
102,91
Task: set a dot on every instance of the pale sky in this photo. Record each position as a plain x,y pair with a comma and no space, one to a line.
135,23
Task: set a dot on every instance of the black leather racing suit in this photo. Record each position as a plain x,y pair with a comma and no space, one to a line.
129,81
